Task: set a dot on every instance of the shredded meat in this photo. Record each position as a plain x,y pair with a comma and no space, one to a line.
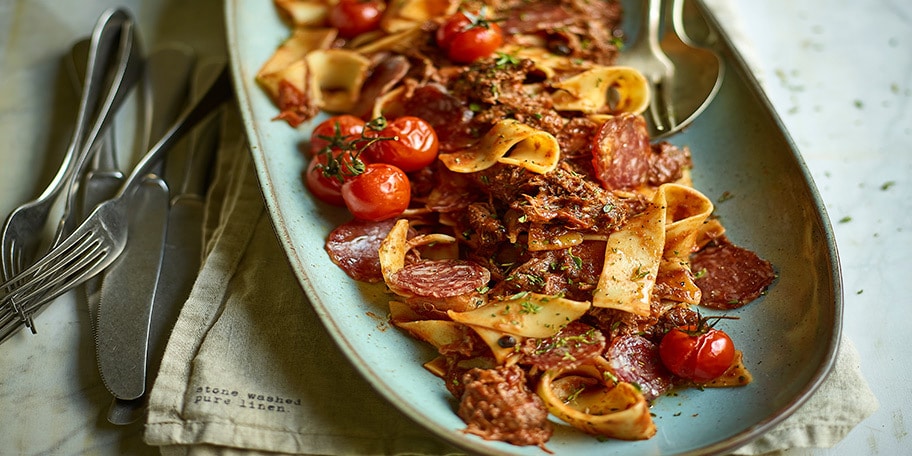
562,197
667,163
573,272
496,90
581,29
497,405
450,117
484,230
662,318
576,137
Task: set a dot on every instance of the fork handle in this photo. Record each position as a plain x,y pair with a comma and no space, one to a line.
217,92
126,62
652,22
649,34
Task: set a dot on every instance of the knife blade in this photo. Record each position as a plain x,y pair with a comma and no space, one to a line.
187,172
127,290
103,177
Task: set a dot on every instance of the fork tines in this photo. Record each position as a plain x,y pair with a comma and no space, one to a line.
73,262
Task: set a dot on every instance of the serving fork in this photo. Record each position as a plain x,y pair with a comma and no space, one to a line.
101,237
111,47
646,55
683,76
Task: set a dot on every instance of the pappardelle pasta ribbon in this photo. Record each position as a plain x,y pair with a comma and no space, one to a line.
655,244
509,142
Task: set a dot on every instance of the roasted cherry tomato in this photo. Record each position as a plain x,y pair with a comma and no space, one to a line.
354,17
467,37
414,148
337,128
323,184
697,352
330,168
381,192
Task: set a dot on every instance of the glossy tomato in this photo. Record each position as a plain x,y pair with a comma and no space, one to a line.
467,37
326,173
329,169
697,352
343,127
325,187
381,192
415,146
354,17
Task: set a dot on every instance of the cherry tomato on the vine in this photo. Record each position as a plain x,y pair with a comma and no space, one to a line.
326,173
381,192
415,147
467,37
336,128
697,352
354,17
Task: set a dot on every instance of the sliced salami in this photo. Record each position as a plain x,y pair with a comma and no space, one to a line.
567,349
621,152
636,360
730,276
354,246
440,278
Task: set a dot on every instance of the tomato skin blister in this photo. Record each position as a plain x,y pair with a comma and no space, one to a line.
354,17
326,188
467,37
414,147
381,192
697,354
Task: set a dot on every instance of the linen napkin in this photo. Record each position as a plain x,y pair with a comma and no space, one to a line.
249,369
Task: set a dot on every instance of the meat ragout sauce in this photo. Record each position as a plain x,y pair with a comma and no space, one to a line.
499,217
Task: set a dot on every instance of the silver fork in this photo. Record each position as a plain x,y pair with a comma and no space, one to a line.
647,56
97,242
111,41
102,177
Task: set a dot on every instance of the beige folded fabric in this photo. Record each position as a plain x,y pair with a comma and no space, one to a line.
843,401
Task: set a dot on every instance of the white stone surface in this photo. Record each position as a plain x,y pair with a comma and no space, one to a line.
839,73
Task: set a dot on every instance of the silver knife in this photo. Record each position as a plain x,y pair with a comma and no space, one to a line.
187,174
127,292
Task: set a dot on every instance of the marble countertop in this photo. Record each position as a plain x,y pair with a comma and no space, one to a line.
839,74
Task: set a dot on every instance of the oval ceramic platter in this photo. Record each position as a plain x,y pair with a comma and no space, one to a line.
743,160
